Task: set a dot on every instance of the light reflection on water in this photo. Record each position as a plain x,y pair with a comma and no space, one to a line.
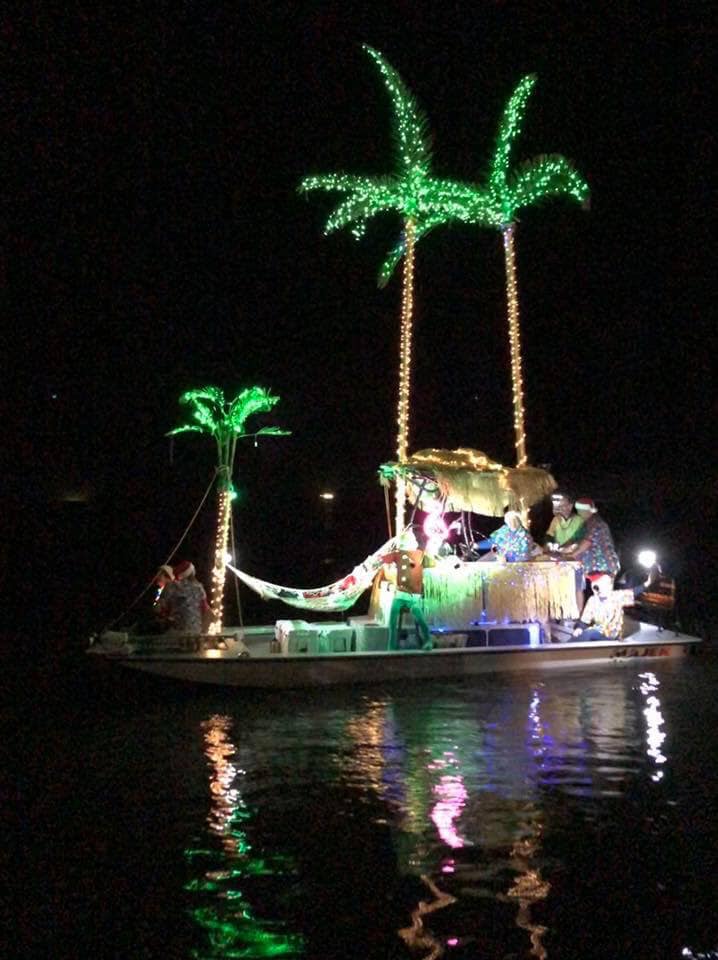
472,784
227,915
655,735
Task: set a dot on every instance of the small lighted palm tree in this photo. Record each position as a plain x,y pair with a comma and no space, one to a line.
225,421
419,198
508,191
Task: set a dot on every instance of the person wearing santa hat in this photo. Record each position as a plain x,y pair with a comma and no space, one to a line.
602,617
184,601
154,620
164,575
596,550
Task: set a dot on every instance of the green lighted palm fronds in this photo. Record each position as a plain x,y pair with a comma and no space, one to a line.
411,190
543,176
224,419
495,204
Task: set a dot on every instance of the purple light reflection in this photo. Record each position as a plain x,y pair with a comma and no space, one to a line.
452,797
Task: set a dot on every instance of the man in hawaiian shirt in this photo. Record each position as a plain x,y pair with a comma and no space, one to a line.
596,551
602,617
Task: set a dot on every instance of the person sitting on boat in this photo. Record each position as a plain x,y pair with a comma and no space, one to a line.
155,620
602,616
511,542
404,568
164,576
566,527
184,601
596,551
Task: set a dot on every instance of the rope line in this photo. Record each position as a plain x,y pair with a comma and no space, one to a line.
236,579
194,517
173,552
388,509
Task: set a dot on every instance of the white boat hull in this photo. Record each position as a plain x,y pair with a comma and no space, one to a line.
262,669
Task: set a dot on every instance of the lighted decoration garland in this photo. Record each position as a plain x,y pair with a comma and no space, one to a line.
418,197
225,421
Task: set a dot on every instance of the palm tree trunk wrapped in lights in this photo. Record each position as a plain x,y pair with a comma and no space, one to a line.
219,568
517,385
418,196
407,310
510,190
225,420
495,204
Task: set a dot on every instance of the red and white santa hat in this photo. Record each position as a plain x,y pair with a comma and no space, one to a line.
596,576
183,570
586,503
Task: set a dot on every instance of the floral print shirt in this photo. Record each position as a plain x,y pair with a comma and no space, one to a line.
515,545
607,614
601,556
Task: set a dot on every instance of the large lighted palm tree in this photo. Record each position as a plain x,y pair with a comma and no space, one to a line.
495,204
225,421
507,191
418,197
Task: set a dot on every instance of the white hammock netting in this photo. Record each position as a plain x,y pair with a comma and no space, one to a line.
339,595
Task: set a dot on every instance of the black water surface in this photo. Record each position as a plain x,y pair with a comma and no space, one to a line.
557,815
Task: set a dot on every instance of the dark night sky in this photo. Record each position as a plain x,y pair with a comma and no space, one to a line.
156,240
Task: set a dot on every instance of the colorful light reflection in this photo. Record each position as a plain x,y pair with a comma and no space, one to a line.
529,886
417,936
452,797
232,926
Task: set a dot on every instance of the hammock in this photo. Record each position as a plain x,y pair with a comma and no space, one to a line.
339,595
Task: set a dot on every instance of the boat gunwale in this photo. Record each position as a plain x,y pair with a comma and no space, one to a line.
221,656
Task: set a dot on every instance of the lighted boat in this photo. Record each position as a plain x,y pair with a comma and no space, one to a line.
328,654
482,617
474,617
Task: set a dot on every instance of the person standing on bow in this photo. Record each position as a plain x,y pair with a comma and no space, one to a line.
596,551
404,568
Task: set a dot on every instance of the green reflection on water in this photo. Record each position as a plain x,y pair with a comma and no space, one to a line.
232,927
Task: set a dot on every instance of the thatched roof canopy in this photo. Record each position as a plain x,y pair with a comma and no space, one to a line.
469,480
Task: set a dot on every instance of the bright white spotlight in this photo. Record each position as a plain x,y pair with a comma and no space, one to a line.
228,558
326,496
647,558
